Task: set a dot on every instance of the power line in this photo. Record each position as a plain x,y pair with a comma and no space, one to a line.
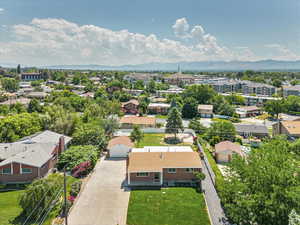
47,205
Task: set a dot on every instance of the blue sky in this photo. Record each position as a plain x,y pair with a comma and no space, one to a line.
56,32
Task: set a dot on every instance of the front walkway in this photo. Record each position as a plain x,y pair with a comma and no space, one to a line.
103,200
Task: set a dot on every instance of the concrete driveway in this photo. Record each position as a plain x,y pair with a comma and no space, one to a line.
103,200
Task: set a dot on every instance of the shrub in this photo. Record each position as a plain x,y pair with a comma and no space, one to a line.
75,188
76,155
82,169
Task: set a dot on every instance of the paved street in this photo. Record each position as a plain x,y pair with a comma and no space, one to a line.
103,201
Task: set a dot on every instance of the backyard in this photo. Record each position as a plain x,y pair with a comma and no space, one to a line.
155,140
168,206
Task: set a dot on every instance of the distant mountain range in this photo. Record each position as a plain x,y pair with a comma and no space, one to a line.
269,65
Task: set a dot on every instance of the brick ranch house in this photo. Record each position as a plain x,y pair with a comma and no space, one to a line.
131,107
162,168
30,158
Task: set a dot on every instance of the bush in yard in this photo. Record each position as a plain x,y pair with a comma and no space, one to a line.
75,155
42,192
75,188
82,169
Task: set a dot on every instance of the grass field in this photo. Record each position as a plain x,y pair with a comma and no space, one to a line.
172,206
152,140
9,206
156,140
10,209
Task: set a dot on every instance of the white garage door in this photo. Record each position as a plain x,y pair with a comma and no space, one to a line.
119,151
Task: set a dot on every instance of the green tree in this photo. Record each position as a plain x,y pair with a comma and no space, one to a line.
151,87
10,84
41,193
34,106
137,134
18,126
90,134
274,107
174,122
235,99
75,155
19,69
294,218
197,126
202,93
264,188
110,125
189,109
220,131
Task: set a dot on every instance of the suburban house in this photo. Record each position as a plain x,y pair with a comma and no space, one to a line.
131,107
12,101
205,111
158,108
30,158
162,168
119,146
127,122
248,111
134,92
289,128
225,150
251,130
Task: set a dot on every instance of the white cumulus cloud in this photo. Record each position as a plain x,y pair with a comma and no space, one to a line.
181,28
281,52
57,41
1,10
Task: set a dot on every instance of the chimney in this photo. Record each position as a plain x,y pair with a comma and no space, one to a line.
161,156
61,145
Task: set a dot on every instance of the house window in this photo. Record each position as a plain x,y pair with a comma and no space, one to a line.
171,170
189,170
26,170
6,171
142,174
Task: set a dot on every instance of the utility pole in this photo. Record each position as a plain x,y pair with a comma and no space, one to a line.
65,198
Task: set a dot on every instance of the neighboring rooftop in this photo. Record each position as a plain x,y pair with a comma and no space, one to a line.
251,128
228,145
121,140
293,127
205,107
33,150
138,120
132,101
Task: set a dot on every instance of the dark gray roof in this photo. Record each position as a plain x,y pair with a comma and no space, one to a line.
34,150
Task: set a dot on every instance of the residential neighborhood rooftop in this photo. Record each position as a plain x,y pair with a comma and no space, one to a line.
137,120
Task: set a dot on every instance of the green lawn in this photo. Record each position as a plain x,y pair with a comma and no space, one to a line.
155,140
9,207
152,140
161,116
171,206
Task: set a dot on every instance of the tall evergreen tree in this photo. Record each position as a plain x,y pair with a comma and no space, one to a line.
174,122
